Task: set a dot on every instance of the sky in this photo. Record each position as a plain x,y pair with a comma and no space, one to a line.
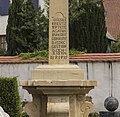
41,2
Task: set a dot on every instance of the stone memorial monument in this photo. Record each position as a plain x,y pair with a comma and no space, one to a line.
3,113
58,78
58,32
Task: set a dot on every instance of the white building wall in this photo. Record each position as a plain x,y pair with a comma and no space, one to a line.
3,24
41,3
105,73
101,73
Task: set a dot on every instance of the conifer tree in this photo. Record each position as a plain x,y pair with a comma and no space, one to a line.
87,26
13,27
28,30
42,29
21,33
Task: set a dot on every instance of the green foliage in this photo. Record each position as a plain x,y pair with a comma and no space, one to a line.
9,97
23,103
2,52
43,54
94,114
116,47
47,6
24,114
26,30
35,55
42,29
88,98
13,28
118,38
74,52
87,26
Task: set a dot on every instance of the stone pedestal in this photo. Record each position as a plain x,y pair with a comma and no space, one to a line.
109,114
58,72
58,80
37,108
79,107
3,113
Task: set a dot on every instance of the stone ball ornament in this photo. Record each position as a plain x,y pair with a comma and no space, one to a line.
3,113
111,103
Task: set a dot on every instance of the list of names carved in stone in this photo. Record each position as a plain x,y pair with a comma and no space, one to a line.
59,37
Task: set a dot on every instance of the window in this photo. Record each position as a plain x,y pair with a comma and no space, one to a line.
3,43
4,6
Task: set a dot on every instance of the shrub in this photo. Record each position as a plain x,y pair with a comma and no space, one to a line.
43,54
9,96
73,52
116,47
94,114
2,51
24,114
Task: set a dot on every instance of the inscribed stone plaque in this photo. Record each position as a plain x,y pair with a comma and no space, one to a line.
58,32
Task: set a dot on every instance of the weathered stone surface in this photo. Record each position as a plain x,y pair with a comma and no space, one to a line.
111,103
75,90
3,113
37,108
56,90
58,72
109,114
58,83
58,32
79,107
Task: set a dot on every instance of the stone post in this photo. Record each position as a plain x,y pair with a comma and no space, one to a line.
58,32
37,108
78,107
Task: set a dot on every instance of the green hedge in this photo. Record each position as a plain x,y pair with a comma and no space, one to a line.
2,52
24,114
9,96
94,114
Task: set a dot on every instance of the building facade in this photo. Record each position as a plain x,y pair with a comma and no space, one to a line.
112,8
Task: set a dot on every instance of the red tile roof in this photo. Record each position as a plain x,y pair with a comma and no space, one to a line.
112,8
15,59
78,58
98,57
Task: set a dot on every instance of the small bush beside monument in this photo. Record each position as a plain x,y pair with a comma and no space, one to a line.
9,96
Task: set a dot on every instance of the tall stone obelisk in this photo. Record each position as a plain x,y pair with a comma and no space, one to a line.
58,32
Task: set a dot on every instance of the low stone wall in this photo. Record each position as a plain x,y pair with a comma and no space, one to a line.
107,74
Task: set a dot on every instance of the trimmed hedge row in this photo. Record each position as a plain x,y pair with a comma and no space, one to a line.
9,96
